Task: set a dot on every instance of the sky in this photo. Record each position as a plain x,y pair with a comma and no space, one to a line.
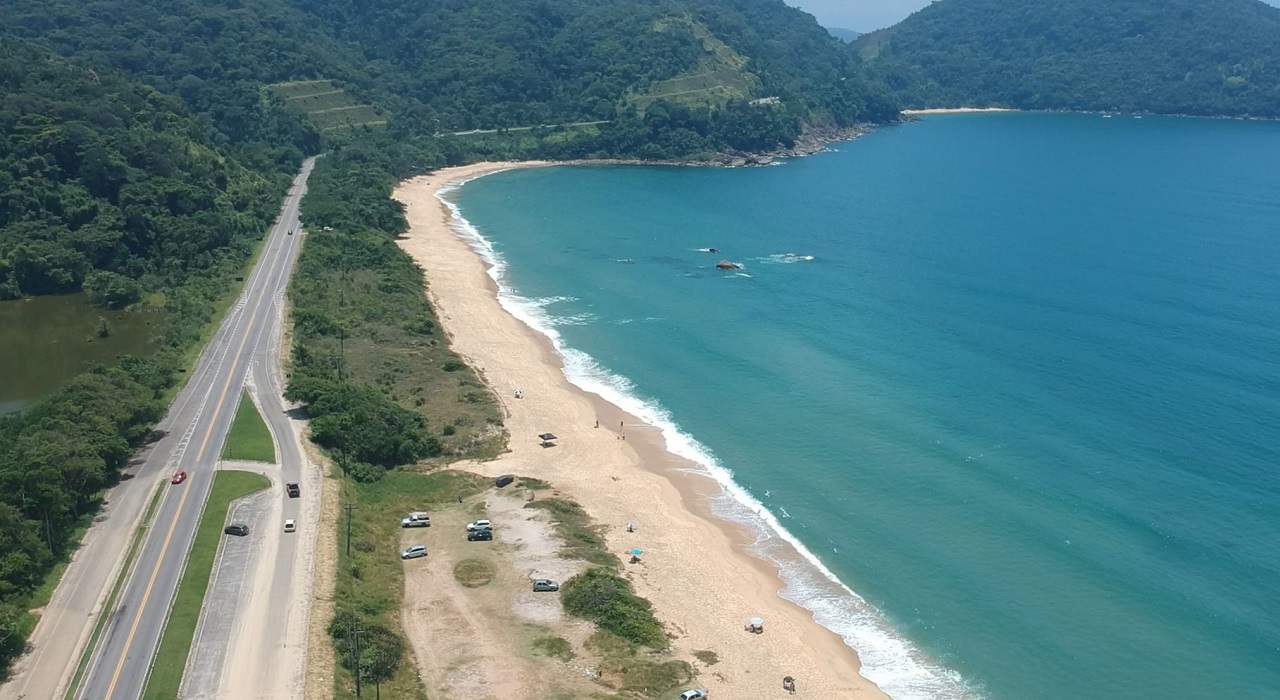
869,15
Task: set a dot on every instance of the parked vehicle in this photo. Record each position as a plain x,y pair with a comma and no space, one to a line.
178,477
289,525
503,480
694,694
238,529
480,535
414,552
416,520
292,490
479,525
541,585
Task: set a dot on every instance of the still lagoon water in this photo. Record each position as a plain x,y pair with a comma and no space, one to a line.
45,341
1014,379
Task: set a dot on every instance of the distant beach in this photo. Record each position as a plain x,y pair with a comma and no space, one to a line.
956,110
696,570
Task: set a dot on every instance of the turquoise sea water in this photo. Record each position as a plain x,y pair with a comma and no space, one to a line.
1024,400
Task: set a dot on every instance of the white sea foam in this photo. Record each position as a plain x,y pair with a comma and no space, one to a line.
786,258
888,659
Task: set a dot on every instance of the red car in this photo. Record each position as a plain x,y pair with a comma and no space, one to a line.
178,478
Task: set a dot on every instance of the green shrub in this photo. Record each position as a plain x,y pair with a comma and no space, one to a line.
607,599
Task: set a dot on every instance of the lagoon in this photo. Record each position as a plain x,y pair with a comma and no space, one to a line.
45,341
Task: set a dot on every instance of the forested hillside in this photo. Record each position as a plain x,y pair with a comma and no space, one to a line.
452,66
1204,57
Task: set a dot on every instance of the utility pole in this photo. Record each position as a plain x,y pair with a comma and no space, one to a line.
355,668
350,507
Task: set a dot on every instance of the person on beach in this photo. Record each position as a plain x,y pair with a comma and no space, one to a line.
597,422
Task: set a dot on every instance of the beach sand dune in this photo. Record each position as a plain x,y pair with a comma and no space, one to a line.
696,571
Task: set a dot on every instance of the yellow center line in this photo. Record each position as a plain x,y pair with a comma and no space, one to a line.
213,422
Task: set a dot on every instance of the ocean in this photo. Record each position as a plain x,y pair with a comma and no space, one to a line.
1009,382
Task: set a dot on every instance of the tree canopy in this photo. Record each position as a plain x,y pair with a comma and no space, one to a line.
1201,57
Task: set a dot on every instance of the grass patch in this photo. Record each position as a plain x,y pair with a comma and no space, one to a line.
175,643
370,581
707,657
135,544
582,538
554,647
533,484
622,669
473,573
249,438
327,105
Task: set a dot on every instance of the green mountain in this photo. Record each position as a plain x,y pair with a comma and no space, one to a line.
112,186
670,77
1204,57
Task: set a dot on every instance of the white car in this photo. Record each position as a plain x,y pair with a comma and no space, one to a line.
694,694
479,525
290,526
414,552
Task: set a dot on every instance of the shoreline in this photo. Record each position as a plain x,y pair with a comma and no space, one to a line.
956,110
719,581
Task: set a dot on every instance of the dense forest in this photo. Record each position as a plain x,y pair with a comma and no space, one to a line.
1201,57
453,66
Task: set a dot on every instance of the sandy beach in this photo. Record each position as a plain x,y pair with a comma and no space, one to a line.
957,110
696,569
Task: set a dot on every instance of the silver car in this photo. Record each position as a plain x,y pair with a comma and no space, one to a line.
417,550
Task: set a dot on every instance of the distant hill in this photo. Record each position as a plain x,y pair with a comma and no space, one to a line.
649,68
848,36
1204,57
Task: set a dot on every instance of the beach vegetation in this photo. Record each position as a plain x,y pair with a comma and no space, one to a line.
636,675
581,537
608,600
707,657
367,350
1201,57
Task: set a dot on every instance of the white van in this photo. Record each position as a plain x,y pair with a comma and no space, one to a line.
289,526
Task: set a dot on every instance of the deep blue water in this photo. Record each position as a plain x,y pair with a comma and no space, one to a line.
1025,399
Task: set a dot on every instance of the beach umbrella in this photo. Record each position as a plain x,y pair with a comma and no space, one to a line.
636,552
788,679
756,622
547,437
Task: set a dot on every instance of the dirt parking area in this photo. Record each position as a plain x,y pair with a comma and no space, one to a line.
477,629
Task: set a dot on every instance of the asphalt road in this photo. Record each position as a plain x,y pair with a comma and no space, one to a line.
237,558
251,639
120,664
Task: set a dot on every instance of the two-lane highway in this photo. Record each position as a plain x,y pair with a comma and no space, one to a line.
121,663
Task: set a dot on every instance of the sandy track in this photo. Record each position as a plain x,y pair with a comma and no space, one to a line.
490,627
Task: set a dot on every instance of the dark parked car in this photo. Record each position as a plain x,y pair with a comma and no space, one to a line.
541,585
480,535
292,489
238,530
503,480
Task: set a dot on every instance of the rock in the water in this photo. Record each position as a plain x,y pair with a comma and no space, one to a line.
726,265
